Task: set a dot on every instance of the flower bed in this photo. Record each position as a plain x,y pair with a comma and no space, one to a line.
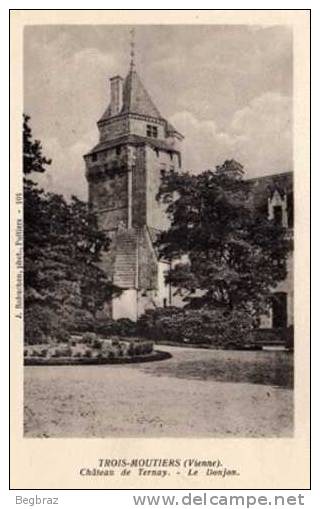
90,349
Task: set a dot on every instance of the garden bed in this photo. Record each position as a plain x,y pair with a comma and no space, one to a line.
156,355
90,349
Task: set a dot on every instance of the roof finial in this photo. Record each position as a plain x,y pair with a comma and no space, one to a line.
132,50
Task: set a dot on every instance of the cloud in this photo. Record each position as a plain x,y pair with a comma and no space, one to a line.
259,136
66,92
66,174
226,88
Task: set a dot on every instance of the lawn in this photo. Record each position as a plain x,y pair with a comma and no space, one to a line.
259,367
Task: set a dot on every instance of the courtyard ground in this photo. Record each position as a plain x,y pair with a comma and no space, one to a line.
195,393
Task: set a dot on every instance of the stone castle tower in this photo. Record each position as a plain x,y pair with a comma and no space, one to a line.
123,170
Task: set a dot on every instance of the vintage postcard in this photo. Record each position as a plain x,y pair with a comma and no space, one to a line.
160,249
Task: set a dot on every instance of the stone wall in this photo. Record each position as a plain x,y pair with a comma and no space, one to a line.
156,162
139,188
130,124
139,127
113,128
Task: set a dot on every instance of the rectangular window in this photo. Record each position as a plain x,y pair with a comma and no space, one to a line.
152,131
94,157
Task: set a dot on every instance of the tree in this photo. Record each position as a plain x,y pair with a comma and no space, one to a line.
33,159
224,253
63,282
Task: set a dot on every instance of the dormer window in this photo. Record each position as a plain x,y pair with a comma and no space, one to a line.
152,131
277,209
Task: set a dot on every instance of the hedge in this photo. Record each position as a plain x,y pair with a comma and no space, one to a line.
217,327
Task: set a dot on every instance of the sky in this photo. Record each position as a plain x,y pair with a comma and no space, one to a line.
226,88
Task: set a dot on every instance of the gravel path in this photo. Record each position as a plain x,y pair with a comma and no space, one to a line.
153,399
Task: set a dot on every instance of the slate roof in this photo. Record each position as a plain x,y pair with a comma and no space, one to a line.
125,265
135,99
135,265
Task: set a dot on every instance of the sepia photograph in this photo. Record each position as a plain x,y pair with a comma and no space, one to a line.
160,249
158,206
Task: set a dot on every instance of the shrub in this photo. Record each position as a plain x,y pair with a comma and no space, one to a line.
88,338
130,349
217,327
66,351
41,324
125,327
107,327
88,353
119,352
97,344
139,347
84,325
34,331
62,335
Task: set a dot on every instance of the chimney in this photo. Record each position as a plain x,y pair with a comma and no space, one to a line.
116,85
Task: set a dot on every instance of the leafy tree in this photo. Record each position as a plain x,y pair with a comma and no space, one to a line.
62,249
33,159
223,252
